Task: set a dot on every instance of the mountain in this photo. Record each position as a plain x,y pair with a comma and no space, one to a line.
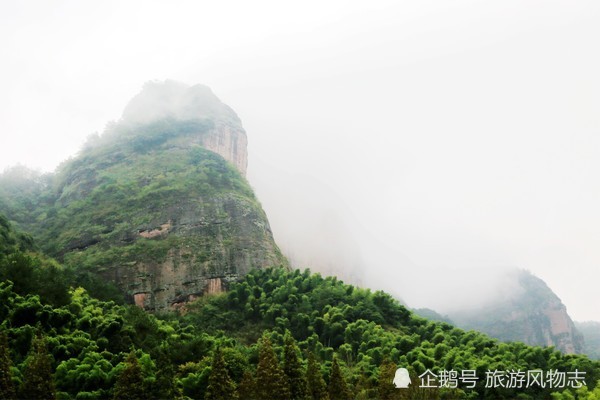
532,314
591,333
158,204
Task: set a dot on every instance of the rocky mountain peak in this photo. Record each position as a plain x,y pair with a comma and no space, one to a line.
534,314
177,101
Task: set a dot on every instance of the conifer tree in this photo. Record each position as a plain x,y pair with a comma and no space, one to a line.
292,367
37,376
7,388
271,382
247,388
363,387
220,385
386,388
165,386
130,383
337,389
317,390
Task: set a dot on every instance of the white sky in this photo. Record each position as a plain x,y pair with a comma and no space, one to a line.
444,136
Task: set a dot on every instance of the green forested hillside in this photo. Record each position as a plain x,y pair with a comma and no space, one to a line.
276,333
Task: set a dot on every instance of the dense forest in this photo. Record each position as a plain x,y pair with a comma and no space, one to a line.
275,334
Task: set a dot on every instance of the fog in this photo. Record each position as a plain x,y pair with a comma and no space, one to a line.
418,147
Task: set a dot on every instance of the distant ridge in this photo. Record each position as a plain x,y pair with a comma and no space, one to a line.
535,316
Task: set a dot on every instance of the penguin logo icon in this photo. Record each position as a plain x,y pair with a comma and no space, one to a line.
401,378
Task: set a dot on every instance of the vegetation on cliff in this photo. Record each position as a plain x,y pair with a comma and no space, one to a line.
147,207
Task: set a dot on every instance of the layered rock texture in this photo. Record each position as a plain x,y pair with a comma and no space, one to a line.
158,204
533,315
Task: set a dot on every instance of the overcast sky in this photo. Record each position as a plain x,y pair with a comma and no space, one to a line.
423,140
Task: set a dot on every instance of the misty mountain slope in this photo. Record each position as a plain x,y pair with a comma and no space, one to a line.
533,315
149,206
591,333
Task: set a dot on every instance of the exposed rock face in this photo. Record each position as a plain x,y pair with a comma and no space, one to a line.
170,99
204,247
154,206
534,315
562,332
230,143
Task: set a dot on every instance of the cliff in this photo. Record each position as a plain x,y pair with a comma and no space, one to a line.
158,204
177,101
533,315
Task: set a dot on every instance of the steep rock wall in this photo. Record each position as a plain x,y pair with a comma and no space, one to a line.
230,143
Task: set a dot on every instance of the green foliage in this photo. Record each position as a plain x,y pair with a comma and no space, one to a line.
38,382
32,273
11,241
90,372
386,388
293,369
220,385
352,335
130,382
28,271
317,389
23,196
327,317
271,382
337,388
165,385
247,387
7,387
